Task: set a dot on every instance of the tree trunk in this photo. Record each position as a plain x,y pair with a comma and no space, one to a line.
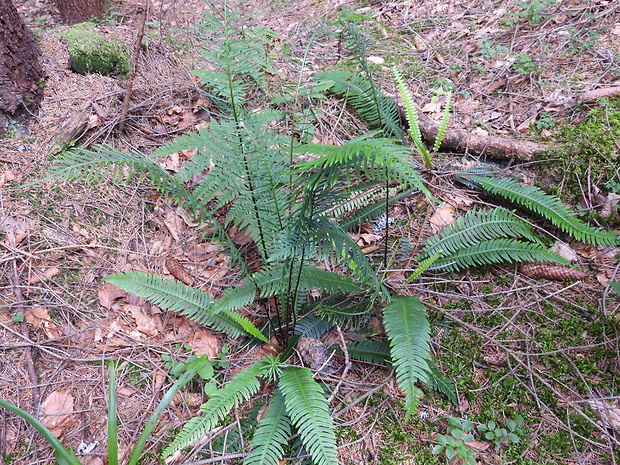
79,11
20,71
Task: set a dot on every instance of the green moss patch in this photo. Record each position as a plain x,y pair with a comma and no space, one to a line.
90,52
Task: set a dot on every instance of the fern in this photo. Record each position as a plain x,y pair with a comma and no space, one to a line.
476,226
175,296
271,434
309,412
496,251
409,333
370,351
413,120
242,387
440,383
545,205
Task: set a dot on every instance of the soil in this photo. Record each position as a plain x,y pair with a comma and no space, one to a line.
517,72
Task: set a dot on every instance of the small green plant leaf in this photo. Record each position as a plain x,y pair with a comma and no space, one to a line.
450,453
437,449
61,453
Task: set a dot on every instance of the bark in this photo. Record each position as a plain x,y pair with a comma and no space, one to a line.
20,70
501,147
79,11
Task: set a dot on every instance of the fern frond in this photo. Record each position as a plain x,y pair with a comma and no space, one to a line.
309,412
440,383
476,226
496,251
409,334
413,121
242,387
547,206
272,433
443,124
367,156
370,351
312,326
175,296
377,109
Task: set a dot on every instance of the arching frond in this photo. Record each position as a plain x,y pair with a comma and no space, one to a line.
175,296
272,433
370,351
309,412
476,226
549,207
369,102
242,387
409,334
496,251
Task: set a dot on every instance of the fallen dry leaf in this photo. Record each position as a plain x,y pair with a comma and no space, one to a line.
609,413
479,446
58,410
16,230
443,216
565,251
145,323
43,274
7,176
173,223
204,343
109,294
39,317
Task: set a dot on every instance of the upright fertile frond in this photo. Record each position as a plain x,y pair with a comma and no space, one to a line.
496,251
549,207
235,58
272,433
242,387
476,226
309,412
175,296
443,124
409,333
413,121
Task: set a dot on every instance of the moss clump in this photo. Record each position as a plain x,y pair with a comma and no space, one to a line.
89,52
594,141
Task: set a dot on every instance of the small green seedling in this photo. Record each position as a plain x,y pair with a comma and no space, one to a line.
455,442
500,436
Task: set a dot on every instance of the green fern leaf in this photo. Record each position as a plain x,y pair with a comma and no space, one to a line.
175,296
409,334
549,207
496,251
272,433
309,412
242,387
370,351
377,109
476,226
440,383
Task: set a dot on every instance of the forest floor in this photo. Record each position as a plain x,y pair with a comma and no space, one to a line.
516,345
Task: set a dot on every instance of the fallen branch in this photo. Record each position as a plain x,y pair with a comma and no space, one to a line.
134,67
32,372
502,147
